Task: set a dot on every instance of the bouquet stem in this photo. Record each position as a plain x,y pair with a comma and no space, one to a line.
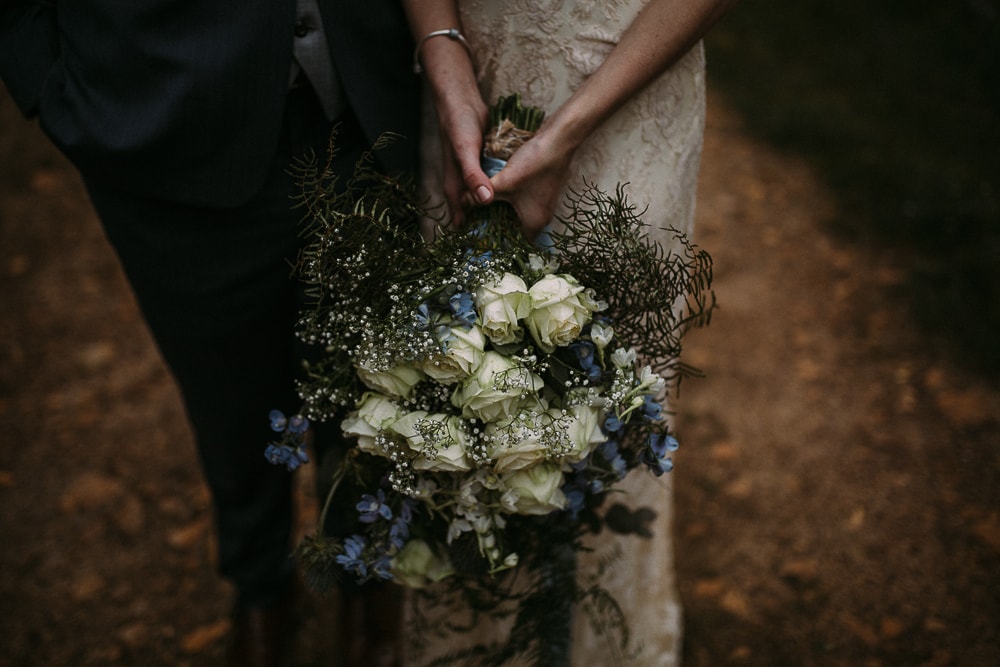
558,576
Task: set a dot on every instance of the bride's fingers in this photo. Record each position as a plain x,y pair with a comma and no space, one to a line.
453,192
463,130
469,200
533,207
477,183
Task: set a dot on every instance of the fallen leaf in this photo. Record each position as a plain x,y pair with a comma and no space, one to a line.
91,490
735,603
696,529
201,638
96,355
891,628
17,266
130,516
857,519
969,408
988,530
188,536
134,634
860,630
932,624
739,488
708,588
86,586
724,451
803,570
740,653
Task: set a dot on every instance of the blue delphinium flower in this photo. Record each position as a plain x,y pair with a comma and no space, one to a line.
278,421
380,568
406,509
372,507
429,318
290,457
297,424
662,444
585,352
609,452
423,317
399,532
463,308
655,454
652,411
575,501
657,465
579,485
612,424
290,451
351,558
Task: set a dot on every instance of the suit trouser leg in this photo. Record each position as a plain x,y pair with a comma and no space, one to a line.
215,288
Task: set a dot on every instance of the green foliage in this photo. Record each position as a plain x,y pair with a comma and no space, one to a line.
604,243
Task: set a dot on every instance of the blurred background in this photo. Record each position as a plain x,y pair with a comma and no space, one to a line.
838,491
838,486
894,104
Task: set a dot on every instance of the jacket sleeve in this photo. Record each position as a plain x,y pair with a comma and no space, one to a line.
371,47
29,46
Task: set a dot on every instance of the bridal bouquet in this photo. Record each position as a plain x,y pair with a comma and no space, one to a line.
497,391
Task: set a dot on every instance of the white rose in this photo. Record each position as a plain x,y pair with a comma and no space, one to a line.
463,353
438,439
538,489
375,413
514,446
496,389
502,304
559,311
583,429
397,382
416,565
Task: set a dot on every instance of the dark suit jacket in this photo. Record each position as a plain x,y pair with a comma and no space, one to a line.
183,99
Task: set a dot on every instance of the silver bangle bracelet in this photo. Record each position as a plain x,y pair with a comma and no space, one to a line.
451,33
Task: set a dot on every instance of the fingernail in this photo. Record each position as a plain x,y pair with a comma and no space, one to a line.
483,194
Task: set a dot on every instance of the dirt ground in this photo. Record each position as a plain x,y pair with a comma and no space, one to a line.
837,488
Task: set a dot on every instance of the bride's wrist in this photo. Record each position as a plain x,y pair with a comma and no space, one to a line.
577,119
449,74
563,134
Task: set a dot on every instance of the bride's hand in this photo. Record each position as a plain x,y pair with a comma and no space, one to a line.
532,181
464,183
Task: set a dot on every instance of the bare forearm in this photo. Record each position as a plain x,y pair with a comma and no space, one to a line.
460,107
661,34
446,64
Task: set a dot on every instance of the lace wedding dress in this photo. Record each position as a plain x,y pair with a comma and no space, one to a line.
544,49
